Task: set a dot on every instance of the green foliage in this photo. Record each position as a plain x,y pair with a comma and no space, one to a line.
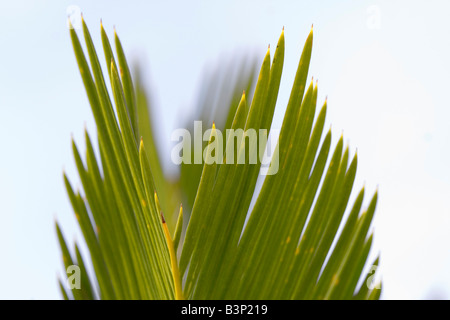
289,246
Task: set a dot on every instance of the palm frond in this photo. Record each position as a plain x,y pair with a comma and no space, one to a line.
289,246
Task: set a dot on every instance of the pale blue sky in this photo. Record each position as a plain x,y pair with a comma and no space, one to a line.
386,84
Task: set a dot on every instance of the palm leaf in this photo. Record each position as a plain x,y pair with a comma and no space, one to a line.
218,100
294,243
